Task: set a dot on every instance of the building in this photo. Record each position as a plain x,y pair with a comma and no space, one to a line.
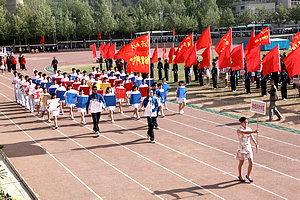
12,5
252,5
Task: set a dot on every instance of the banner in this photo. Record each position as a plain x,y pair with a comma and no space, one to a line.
149,82
60,95
52,90
104,86
110,100
143,91
71,98
120,93
82,101
166,87
128,86
76,86
53,104
135,98
181,92
44,99
139,82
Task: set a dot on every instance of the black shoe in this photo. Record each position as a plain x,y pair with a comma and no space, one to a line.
242,180
250,180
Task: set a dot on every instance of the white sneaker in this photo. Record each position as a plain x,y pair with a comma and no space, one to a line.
134,116
97,133
152,141
49,120
181,112
109,118
121,112
38,114
163,115
56,127
138,118
143,108
72,118
43,118
112,121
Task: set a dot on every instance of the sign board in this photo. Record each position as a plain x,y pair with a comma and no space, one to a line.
259,107
296,80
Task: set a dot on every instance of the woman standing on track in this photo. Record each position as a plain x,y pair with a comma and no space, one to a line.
244,148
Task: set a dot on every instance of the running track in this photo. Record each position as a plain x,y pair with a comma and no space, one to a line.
193,157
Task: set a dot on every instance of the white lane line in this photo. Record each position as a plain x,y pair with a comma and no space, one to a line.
230,139
161,166
234,176
197,160
118,170
199,118
67,169
208,146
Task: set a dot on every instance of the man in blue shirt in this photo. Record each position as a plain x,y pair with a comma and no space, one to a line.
151,107
96,113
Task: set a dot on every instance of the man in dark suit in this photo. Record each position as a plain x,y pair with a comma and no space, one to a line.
166,69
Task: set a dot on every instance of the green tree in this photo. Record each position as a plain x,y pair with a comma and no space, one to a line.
280,15
3,22
244,18
105,21
227,18
223,4
210,13
294,13
262,15
126,24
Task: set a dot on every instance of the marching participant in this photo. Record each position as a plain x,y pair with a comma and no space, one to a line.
60,89
43,103
37,97
181,96
81,109
151,107
30,89
135,105
97,103
55,109
161,99
69,103
14,82
111,109
120,100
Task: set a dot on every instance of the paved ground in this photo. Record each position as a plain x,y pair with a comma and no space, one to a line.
192,159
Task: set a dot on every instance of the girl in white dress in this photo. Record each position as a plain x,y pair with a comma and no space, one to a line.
244,148
111,109
55,113
70,105
135,106
82,111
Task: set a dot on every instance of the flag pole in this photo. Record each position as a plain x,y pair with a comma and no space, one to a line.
257,132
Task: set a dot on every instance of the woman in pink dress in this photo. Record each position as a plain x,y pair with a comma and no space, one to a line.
244,148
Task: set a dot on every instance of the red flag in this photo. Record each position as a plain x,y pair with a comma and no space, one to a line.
204,40
271,62
183,47
263,38
164,52
237,58
105,50
119,53
292,63
101,49
171,53
252,55
93,47
42,40
111,51
225,41
173,31
206,58
224,58
190,56
136,54
296,42
154,58
99,36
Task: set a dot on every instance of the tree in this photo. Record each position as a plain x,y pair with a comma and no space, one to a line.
227,18
210,13
126,24
262,15
244,18
280,15
294,13
224,4
105,22
3,22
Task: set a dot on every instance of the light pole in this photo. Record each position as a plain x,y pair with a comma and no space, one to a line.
54,31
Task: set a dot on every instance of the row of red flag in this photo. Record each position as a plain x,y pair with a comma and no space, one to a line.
136,54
